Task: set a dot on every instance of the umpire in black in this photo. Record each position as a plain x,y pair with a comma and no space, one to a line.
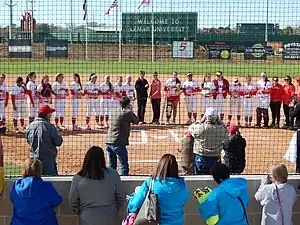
141,87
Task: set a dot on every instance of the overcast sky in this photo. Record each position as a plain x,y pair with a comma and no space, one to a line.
211,13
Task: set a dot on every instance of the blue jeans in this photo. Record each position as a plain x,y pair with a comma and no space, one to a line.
120,152
49,167
204,164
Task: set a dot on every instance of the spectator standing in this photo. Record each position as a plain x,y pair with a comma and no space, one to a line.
288,93
228,200
96,192
277,197
209,136
276,94
43,138
235,154
295,113
171,190
141,87
33,199
118,135
155,96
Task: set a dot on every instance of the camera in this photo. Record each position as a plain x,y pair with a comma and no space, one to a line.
2,130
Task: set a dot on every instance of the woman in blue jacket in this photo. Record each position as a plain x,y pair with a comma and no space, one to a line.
171,190
33,199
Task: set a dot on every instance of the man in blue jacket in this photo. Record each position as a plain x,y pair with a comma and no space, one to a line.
228,200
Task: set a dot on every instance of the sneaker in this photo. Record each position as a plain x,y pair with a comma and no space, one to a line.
76,128
156,123
140,123
17,131
88,127
58,128
291,128
99,126
257,125
265,127
167,123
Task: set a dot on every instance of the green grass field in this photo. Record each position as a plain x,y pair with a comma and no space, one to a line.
230,69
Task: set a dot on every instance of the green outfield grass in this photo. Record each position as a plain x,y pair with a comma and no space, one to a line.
231,69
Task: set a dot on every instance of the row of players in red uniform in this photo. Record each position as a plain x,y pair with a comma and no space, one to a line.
213,93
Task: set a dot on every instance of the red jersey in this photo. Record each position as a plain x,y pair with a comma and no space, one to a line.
288,93
155,90
276,93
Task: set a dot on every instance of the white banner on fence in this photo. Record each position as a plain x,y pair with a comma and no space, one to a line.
183,49
19,48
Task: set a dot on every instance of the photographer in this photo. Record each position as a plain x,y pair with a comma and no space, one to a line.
209,136
118,135
295,113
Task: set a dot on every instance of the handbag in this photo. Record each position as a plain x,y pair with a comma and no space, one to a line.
244,208
149,213
279,204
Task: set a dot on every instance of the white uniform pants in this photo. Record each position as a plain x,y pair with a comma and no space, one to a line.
263,101
105,106
191,103
206,102
220,104
92,105
59,105
235,106
21,110
32,110
248,106
75,107
2,110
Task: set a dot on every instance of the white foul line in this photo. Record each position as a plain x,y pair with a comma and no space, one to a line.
144,138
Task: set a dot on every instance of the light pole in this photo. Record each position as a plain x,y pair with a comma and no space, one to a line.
267,21
10,5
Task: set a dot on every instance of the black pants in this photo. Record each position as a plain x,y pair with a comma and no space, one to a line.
275,109
286,110
142,102
155,109
262,113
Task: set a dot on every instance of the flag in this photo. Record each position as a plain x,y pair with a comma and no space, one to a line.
143,2
114,4
84,10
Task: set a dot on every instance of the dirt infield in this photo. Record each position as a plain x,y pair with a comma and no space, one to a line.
147,142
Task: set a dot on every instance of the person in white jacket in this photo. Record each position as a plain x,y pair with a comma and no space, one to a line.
277,197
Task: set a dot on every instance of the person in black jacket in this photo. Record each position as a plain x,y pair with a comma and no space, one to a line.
235,154
295,113
141,87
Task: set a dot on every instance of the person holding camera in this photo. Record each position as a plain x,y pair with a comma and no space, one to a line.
277,197
209,136
118,135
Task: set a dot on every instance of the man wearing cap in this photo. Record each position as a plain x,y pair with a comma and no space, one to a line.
209,135
43,138
222,89
263,99
141,87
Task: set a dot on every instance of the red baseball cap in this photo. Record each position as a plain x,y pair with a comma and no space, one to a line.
298,78
46,109
233,129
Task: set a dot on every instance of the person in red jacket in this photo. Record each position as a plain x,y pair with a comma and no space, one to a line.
222,89
155,96
288,93
276,95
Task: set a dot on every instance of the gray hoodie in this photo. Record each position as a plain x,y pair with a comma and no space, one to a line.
267,196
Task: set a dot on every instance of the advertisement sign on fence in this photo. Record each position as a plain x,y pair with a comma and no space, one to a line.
56,48
219,50
19,48
291,51
183,49
255,52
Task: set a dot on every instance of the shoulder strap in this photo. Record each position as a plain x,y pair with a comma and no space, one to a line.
279,204
150,191
244,208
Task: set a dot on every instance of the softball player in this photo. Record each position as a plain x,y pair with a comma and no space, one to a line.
106,91
235,101
31,90
60,90
249,90
222,88
208,89
4,96
263,99
190,88
44,91
91,91
172,92
119,92
18,101
129,89
76,95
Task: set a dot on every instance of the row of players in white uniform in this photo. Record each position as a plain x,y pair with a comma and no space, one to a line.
213,94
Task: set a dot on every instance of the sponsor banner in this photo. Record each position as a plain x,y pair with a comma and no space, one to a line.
291,51
19,48
56,48
255,52
219,50
183,49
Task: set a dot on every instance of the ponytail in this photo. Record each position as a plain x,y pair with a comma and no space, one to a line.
110,86
79,81
29,76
